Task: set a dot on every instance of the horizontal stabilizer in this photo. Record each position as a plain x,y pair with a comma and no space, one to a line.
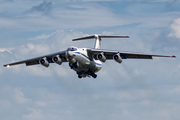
98,39
100,36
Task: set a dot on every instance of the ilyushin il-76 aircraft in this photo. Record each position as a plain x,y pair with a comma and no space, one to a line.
86,61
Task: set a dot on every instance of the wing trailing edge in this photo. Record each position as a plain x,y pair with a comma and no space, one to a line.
35,61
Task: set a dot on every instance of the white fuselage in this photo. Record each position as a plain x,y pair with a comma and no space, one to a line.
80,61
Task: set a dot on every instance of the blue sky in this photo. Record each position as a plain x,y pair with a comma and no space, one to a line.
135,89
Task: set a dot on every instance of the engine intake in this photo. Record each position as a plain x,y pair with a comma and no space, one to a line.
57,59
117,58
101,57
44,62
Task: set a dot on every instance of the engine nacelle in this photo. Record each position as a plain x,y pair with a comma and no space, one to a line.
117,58
101,57
44,62
57,59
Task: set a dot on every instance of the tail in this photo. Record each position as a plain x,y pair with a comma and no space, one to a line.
98,39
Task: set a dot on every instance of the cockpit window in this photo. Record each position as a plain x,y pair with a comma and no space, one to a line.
72,48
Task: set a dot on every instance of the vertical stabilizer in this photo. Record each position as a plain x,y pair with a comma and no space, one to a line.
97,42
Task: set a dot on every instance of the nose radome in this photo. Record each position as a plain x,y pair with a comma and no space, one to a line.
68,54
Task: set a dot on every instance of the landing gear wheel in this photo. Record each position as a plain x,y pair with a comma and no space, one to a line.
73,66
94,75
79,76
91,73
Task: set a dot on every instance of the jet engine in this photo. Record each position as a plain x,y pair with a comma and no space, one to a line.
57,59
44,62
117,58
101,57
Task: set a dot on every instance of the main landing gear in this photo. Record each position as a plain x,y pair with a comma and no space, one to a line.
93,75
79,76
73,66
84,74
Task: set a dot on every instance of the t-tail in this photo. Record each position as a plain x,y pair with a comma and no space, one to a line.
98,39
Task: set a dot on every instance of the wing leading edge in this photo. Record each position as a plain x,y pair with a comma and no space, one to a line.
35,61
124,55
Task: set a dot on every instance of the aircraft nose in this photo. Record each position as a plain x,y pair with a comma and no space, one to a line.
68,54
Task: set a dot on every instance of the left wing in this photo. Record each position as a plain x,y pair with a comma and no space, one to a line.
35,61
124,55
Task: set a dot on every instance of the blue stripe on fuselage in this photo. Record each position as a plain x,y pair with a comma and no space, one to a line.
87,57
82,55
98,64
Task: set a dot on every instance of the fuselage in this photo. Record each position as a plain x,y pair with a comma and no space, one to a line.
80,62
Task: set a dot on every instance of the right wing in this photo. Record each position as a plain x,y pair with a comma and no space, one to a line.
35,61
124,55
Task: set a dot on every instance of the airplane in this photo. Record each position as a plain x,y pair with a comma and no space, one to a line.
86,61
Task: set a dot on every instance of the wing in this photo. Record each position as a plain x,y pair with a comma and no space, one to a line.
35,61
124,55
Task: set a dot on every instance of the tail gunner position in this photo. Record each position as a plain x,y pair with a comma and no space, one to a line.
86,61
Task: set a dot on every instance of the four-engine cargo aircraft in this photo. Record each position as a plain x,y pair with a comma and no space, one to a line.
86,61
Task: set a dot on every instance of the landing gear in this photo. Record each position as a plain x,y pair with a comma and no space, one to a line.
94,75
73,66
79,76
85,74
